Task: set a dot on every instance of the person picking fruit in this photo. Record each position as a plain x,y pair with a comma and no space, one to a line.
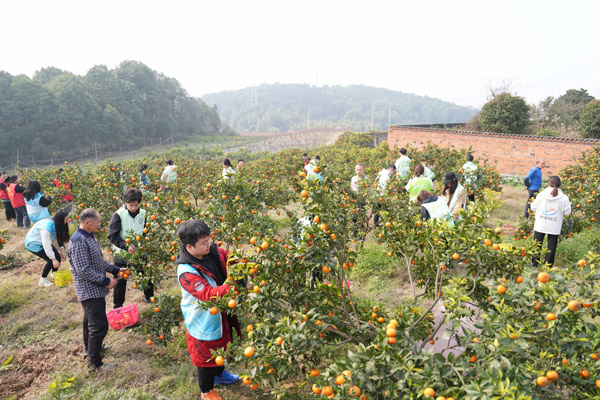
201,273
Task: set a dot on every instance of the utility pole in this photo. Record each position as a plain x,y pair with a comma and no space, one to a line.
372,115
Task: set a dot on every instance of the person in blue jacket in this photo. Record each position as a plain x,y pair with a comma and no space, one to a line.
36,203
39,241
533,183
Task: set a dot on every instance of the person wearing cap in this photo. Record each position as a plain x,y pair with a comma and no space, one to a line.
455,195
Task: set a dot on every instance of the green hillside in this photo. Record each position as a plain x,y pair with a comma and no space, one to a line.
283,107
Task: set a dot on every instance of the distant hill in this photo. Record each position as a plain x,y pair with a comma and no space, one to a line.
284,107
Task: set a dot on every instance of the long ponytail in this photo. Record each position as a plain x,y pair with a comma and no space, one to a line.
62,229
554,183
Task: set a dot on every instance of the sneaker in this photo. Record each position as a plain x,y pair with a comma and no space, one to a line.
44,282
226,378
212,395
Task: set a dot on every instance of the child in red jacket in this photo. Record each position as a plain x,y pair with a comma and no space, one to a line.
202,272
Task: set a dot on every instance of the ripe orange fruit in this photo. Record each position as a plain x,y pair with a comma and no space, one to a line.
429,392
327,391
264,245
279,341
219,361
231,303
249,351
598,383
551,316
152,299
354,391
326,269
149,342
250,328
487,242
391,340
584,373
473,359
340,380
390,332
581,263
574,306
156,309
304,193
519,279
247,380
501,289
552,376
455,256
317,219
314,372
543,277
542,381
316,389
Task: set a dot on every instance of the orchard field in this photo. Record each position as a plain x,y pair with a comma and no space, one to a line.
406,309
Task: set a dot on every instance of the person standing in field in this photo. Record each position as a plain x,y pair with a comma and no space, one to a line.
169,175
240,164
469,173
403,165
418,183
39,241
9,211
15,193
128,220
36,203
202,273
434,208
91,283
550,207
533,183
358,179
143,176
228,170
454,194
67,198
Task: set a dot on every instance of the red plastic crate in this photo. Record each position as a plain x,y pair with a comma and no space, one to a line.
123,317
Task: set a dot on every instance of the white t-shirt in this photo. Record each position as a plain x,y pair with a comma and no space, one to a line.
550,211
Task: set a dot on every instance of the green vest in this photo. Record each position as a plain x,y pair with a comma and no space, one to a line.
415,185
130,225
439,210
403,167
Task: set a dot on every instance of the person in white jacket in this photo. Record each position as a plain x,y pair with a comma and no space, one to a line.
550,206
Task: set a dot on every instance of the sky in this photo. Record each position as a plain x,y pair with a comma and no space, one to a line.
452,50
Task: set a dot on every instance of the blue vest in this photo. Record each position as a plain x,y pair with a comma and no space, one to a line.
200,323
34,210
33,240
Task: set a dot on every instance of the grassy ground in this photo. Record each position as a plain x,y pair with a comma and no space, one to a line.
41,327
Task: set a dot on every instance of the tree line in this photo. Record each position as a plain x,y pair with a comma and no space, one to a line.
285,107
56,113
575,113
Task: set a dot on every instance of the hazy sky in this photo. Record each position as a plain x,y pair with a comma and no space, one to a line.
445,49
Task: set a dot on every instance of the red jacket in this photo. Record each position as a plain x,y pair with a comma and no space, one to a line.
66,197
16,199
200,349
3,193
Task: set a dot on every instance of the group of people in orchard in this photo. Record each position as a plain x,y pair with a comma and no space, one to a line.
419,187
201,265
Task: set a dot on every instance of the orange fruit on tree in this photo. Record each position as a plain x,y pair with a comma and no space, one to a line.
219,361
581,263
584,373
429,392
455,256
304,193
254,386
354,391
314,373
231,303
473,359
316,389
149,342
543,277
264,245
247,380
250,328
249,351
598,383
551,316
501,289
574,305
519,279
279,341
487,242
542,381
327,391
552,376
340,380
390,332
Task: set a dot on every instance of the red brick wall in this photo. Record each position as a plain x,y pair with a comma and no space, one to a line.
515,154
